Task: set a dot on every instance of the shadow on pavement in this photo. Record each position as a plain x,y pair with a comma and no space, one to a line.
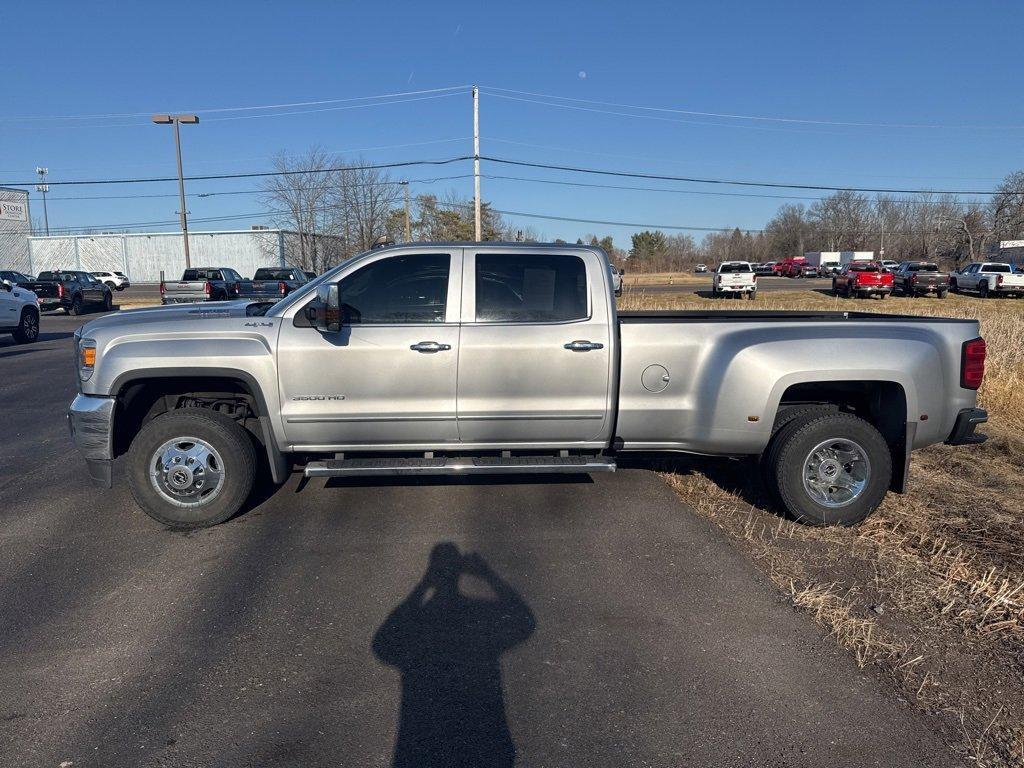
448,647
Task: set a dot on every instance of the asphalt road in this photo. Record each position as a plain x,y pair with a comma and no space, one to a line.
603,624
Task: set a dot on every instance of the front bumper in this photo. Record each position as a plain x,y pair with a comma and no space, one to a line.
963,429
91,420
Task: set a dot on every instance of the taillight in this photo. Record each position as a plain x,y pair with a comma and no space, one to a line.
60,290
755,278
208,288
238,288
972,363
999,280
163,288
282,288
913,279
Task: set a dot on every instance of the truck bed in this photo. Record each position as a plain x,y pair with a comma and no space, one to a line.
697,315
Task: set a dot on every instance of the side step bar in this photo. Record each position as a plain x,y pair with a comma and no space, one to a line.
460,465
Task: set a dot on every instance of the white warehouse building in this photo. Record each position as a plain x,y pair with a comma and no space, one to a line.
143,256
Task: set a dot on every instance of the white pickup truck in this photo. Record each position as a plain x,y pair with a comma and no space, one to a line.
19,313
989,279
735,277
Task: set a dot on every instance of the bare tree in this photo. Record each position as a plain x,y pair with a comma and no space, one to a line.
363,200
300,196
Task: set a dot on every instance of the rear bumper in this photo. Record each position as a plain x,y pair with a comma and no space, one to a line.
183,299
91,420
963,429
874,289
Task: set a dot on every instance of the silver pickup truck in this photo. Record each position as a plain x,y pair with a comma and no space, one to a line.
462,358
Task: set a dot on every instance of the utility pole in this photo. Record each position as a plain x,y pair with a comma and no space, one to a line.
476,163
408,224
176,121
42,187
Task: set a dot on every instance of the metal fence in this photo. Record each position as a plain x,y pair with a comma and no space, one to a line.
143,256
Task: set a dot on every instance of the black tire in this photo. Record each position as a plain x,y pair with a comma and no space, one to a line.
28,326
110,285
942,294
792,446
108,301
983,289
238,464
76,307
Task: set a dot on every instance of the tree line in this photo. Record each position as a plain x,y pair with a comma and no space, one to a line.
340,208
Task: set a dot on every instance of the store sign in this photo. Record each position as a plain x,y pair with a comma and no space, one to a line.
11,211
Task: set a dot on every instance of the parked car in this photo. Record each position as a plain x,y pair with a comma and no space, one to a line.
790,267
701,268
73,291
12,278
861,279
202,284
988,279
736,279
808,270
616,279
427,359
765,268
116,281
19,313
918,278
272,283
889,265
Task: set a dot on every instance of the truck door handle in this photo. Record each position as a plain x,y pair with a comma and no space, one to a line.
430,346
584,346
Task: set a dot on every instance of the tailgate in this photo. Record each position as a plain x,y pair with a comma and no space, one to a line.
42,290
193,288
735,279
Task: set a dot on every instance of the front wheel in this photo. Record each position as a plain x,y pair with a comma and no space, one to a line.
191,468
28,328
828,469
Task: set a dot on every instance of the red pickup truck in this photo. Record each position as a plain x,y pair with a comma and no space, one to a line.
862,278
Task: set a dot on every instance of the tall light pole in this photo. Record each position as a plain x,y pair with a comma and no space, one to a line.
476,163
177,120
42,187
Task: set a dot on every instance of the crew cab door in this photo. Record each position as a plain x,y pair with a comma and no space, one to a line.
386,380
10,307
535,359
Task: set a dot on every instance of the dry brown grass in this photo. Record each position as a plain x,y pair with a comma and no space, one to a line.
930,589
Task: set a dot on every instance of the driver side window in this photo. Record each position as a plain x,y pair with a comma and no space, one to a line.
399,289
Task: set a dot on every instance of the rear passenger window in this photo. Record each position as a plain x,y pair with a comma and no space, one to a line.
530,289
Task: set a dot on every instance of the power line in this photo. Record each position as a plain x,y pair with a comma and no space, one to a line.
762,118
233,109
252,175
527,164
248,191
736,182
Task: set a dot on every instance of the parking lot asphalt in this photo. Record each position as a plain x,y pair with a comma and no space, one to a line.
603,623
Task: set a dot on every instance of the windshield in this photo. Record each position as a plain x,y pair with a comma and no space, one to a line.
308,289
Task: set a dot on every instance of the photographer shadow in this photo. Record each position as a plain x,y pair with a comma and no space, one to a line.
448,647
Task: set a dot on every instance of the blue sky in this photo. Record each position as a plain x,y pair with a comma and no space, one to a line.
941,64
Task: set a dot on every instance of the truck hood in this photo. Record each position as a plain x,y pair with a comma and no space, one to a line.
199,313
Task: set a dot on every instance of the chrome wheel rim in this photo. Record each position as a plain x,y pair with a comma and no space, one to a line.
187,472
31,326
836,472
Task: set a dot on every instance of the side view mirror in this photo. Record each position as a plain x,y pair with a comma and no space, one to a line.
324,314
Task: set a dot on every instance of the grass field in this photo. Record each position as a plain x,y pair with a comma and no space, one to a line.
929,591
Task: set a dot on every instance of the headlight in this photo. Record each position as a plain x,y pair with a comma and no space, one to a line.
86,358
